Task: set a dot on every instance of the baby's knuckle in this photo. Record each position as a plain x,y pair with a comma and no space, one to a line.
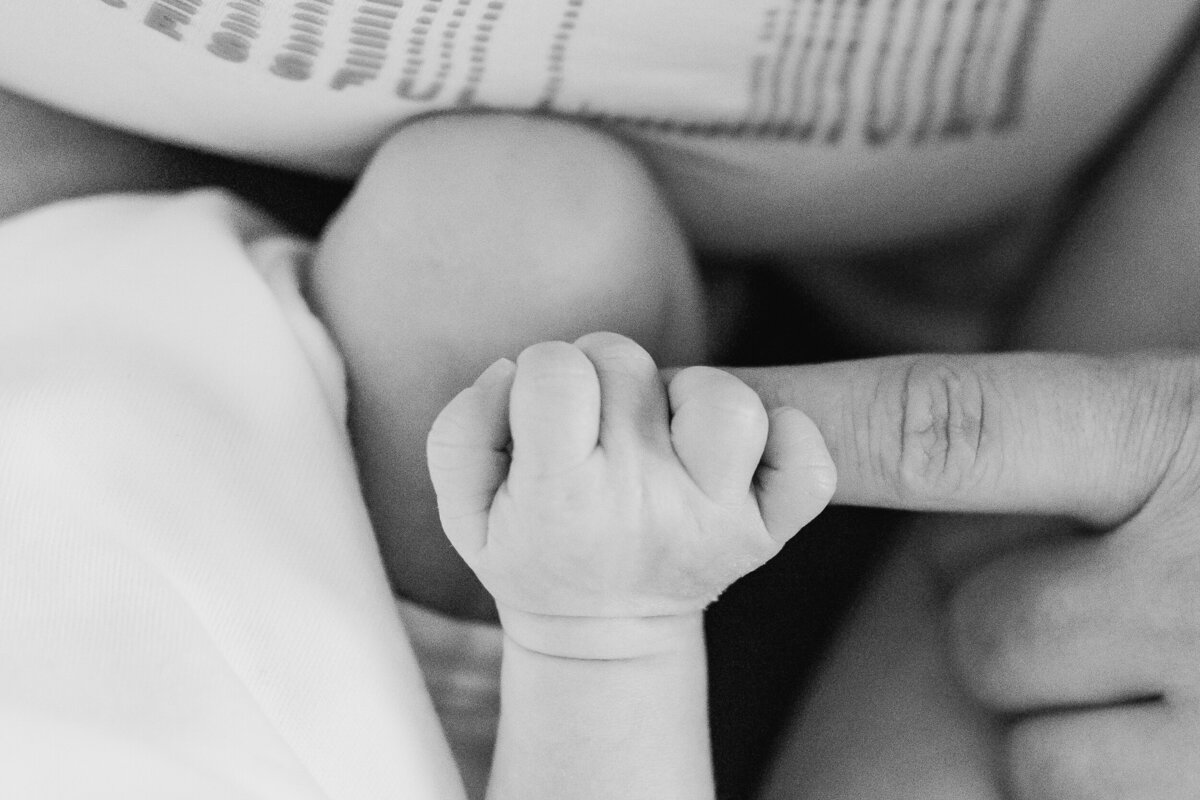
737,395
692,383
607,344
719,389
699,377
743,412
552,363
545,352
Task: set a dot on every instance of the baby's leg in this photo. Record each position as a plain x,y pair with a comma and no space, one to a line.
467,239
884,720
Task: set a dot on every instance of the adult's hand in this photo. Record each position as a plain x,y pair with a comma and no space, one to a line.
1091,642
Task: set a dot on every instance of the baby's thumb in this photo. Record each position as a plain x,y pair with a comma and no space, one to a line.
467,451
797,477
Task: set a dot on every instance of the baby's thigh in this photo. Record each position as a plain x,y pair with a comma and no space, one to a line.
467,239
490,228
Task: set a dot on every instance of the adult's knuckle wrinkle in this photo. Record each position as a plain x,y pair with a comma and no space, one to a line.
943,421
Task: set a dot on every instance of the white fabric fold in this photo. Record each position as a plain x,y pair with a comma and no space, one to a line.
191,601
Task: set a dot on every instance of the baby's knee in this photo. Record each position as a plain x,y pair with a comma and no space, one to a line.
489,206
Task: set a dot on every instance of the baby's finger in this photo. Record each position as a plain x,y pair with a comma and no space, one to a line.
797,476
467,451
718,429
554,409
634,404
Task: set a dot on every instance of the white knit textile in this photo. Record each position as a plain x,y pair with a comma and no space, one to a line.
191,602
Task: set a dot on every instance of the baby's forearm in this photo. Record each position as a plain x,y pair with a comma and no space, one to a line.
616,729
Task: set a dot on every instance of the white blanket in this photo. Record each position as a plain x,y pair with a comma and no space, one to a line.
191,603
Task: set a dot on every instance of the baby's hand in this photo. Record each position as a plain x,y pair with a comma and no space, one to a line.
598,508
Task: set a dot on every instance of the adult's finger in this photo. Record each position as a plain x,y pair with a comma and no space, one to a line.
1065,623
1142,751
1069,435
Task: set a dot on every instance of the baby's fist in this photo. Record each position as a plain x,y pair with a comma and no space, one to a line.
578,489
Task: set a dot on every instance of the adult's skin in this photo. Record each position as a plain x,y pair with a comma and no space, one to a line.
1091,640
1087,623
1076,639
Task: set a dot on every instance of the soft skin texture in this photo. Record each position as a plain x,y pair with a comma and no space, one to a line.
466,240
1088,640
1072,653
621,499
1092,639
604,511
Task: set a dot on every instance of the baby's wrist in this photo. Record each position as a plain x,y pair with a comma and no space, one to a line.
602,638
